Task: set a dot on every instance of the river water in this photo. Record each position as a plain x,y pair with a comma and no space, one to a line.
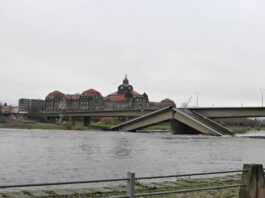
35,156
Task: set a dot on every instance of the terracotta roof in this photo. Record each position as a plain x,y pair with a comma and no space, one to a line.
134,93
91,92
119,97
57,94
167,100
72,96
7,106
155,103
115,97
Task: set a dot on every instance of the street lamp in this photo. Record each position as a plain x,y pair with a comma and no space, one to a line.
262,96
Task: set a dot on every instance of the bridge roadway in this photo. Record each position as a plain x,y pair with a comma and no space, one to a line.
183,120
230,112
127,113
210,112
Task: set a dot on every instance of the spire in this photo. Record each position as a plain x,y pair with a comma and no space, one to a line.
126,81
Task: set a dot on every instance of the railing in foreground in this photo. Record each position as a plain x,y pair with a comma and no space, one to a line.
252,183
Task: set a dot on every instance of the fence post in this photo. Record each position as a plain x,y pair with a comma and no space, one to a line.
130,184
253,179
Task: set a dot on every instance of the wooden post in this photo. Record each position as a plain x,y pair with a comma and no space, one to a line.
253,179
130,185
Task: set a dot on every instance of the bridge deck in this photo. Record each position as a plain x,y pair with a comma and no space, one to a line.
129,113
230,112
210,112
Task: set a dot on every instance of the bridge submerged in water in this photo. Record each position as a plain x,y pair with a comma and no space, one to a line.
192,120
197,120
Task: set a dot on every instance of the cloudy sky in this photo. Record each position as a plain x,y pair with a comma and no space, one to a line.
168,48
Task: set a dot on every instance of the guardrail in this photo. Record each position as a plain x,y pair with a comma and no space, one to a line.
252,183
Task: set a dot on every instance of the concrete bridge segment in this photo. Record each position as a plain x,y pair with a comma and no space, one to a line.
146,120
230,112
183,121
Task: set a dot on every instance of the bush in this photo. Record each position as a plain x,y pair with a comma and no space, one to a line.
109,120
66,125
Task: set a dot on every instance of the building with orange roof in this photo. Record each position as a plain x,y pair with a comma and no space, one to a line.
125,98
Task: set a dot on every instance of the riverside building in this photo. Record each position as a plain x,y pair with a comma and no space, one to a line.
125,98
30,105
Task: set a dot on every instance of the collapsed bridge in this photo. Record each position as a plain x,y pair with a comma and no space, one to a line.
191,120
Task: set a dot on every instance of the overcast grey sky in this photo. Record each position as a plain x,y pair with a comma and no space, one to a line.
168,48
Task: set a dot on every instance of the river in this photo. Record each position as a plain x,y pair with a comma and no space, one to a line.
35,156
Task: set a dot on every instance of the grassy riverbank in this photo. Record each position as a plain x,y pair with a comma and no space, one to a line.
33,124
179,184
100,126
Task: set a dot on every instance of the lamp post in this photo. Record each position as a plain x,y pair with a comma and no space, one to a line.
262,96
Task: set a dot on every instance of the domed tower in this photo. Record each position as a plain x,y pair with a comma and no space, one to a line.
125,88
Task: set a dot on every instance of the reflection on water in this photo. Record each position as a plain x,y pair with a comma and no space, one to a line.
34,156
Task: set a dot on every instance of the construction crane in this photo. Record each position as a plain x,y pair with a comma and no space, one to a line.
186,104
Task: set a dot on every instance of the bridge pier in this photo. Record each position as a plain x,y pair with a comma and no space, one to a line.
86,121
46,118
71,119
178,127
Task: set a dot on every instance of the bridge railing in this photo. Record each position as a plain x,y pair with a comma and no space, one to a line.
251,186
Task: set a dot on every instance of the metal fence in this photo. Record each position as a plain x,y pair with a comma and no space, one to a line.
252,183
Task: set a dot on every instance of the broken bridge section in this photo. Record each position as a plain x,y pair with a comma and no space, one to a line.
193,122
146,120
183,121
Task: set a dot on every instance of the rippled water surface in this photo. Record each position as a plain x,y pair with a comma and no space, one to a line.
34,156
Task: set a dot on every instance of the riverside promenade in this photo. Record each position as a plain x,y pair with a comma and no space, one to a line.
140,187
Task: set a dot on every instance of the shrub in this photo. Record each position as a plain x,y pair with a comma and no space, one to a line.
109,120
66,125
